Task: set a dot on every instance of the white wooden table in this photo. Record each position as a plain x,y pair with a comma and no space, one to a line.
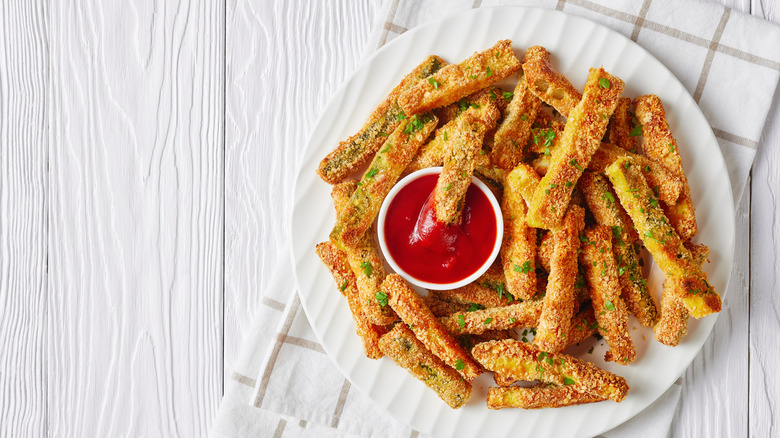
140,144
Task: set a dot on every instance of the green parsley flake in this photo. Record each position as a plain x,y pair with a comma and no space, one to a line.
366,266
371,173
492,94
383,134
381,298
512,320
609,306
445,136
508,95
524,118
488,72
604,83
461,322
434,82
401,115
473,77
343,287
637,131
488,321
574,163
569,381
459,365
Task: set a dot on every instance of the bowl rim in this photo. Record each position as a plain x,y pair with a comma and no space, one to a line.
405,181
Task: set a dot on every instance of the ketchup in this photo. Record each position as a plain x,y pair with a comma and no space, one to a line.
428,249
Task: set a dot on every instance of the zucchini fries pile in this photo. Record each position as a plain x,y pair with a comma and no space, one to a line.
582,200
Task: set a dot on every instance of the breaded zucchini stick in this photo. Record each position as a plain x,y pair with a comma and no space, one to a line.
526,181
402,346
667,185
538,397
547,83
560,299
411,308
606,209
482,111
619,128
336,262
522,314
453,82
455,178
580,140
479,295
518,251
660,238
380,177
514,131
610,310
673,324
583,326
440,307
366,263
352,153
522,361
659,145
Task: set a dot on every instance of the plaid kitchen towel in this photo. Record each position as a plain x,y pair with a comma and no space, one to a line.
284,385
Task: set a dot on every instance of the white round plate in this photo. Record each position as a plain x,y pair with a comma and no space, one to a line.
576,45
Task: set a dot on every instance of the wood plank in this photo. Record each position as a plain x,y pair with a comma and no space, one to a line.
24,71
765,282
136,267
277,84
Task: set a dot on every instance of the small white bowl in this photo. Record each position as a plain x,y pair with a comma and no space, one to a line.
424,284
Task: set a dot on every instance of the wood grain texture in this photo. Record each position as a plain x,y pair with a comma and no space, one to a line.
23,217
136,218
283,64
764,409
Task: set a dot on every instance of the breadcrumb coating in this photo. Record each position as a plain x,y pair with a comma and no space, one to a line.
427,328
453,82
406,350
354,152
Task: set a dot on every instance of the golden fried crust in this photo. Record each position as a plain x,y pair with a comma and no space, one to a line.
560,299
620,127
673,324
401,345
523,314
606,209
354,152
440,307
480,109
580,140
455,178
518,251
583,326
545,250
481,295
412,310
515,129
661,239
336,262
538,397
380,177
547,83
659,145
365,262
454,82
527,180
341,192
609,308
666,183
522,361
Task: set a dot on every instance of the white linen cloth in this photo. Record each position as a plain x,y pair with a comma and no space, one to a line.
284,385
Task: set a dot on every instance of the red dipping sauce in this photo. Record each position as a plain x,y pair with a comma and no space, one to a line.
431,251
